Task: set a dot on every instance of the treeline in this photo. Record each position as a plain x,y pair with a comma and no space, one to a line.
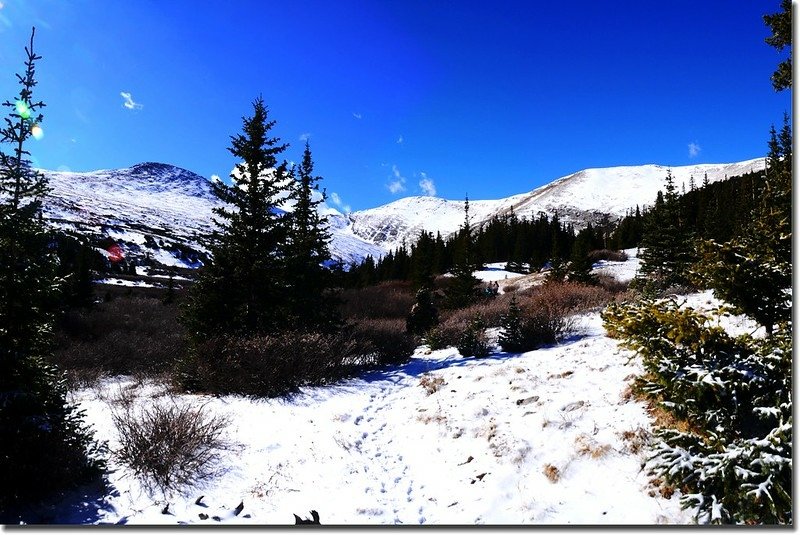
718,211
715,211
525,244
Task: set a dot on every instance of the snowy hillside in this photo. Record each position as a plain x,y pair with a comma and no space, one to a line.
151,207
578,198
154,208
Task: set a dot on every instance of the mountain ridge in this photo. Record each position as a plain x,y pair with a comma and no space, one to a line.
150,203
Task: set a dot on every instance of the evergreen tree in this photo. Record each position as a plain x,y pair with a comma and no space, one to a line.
754,271
45,446
310,299
464,288
781,26
666,242
580,265
244,288
511,337
423,315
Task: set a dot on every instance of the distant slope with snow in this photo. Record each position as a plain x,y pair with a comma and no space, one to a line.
151,208
155,209
585,196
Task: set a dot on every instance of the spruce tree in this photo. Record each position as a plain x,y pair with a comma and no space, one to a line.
781,26
463,290
45,447
244,288
754,271
309,281
580,265
512,338
666,242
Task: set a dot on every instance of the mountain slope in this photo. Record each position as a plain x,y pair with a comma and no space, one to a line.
157,210
585,196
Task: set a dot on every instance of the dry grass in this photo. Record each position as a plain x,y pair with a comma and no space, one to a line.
431,383
551,472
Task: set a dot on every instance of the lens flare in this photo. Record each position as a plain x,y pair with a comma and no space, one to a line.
23,109
37,132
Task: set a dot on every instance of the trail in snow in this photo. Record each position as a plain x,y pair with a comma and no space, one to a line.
381,450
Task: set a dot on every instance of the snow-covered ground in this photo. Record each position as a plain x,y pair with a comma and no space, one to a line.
550,436
545,437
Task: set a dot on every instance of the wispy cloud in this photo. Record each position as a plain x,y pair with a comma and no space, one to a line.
357,115
129,102
397,182
426,185
305,136
337,200
694,150
400,140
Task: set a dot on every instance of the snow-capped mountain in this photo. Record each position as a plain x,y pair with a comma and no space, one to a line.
158,210
582,197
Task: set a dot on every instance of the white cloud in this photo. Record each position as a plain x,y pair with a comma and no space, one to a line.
129,103
337,200
694,150
305,136
357,115
400,140
426,185
398,181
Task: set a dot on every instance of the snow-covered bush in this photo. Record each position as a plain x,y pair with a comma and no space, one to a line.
169,445
734,465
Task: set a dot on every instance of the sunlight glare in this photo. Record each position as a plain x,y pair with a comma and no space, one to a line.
37,132
22,109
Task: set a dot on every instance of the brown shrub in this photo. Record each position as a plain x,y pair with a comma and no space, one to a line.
611,284
169,445
570,297
276,365
131,336
392,299
386,340
607,254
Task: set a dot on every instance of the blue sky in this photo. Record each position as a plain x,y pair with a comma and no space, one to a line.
400,98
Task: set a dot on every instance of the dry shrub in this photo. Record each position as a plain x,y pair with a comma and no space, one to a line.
263,365
392,299
169,445
129,336
431,383
551,472
607,254
455,324
275,365
386,340
570,297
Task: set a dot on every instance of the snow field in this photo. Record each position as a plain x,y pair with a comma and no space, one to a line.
545,437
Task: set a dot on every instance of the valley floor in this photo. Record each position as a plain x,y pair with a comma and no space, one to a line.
545,437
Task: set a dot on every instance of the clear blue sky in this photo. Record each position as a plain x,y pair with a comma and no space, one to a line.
486,98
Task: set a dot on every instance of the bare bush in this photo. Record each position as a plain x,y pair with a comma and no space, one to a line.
275,365
125,336
385,340
570,297
392,299
607,254
169,445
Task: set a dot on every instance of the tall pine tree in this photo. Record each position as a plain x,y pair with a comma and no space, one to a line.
44,444
464,288
311,301
244,288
